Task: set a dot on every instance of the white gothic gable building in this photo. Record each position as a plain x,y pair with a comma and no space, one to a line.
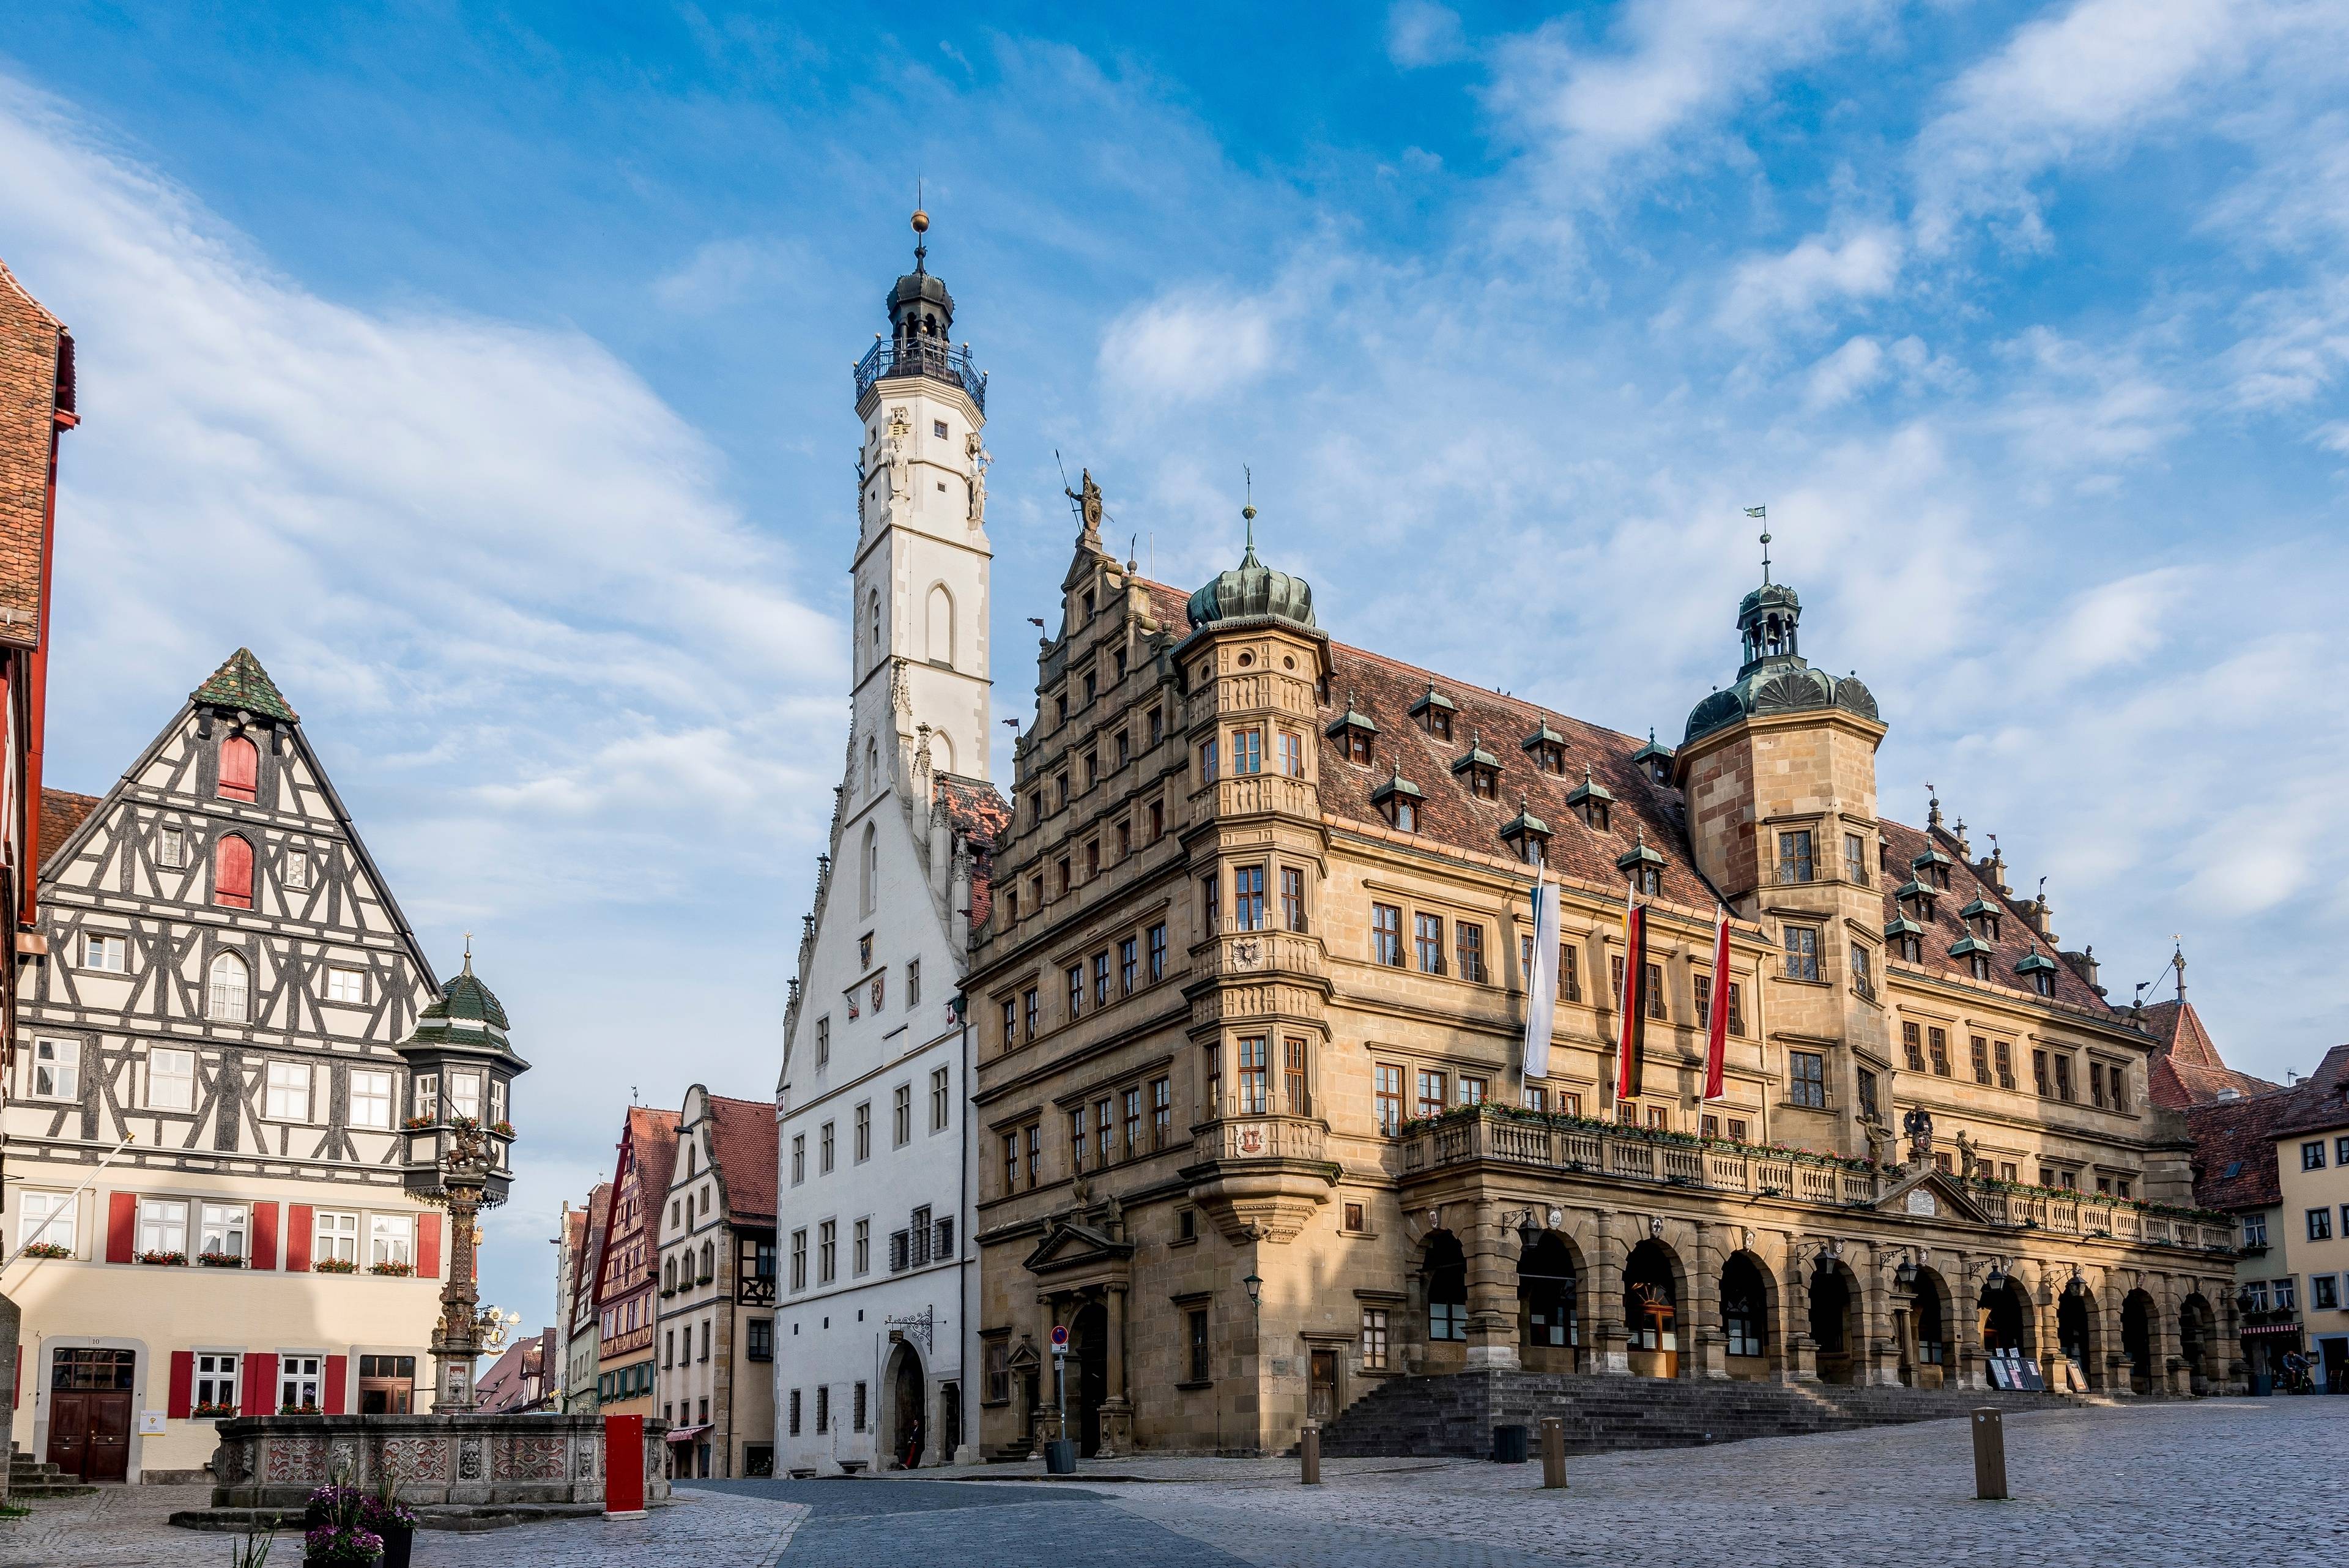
873,1152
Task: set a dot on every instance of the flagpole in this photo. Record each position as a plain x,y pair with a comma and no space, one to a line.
73,1197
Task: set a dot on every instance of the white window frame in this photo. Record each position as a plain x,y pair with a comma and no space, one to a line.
171,848
301,1380
428,1096
280,1086
464,1096
230,1223
231,1003
334,1236
57,1070
375,1089
180,1080
220,1379
391,1238
49,1218
163,1225
346,986
297,866
98,947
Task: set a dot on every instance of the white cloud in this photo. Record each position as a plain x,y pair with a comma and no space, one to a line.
722,273
1845,374
1189,346
1770,295
2115,623
1420,32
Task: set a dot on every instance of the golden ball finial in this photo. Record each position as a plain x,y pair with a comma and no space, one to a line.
921,222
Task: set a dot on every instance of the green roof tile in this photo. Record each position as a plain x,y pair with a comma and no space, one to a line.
241,684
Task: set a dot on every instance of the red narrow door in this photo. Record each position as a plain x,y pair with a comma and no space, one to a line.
109,1451
69,1432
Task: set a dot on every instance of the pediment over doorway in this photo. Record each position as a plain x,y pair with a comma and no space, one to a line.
1931,1194
1072,1245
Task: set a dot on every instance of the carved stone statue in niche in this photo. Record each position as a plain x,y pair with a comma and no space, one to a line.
980,458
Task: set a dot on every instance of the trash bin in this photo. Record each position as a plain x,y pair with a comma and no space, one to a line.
1509,1445
2263,1385
1061,1456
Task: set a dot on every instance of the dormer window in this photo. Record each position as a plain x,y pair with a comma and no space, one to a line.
1907,940
1548,749
2039,969
1976,954
1644,867
1654,761
1434,713
1479,769
239,769
1527,834
1354,730
1932,867
1981,919
1916,901
1398,800
1589,800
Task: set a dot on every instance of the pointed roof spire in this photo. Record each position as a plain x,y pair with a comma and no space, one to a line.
241,684
2178,962
921,222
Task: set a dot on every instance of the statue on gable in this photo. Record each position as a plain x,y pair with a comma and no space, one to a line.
1089,502
1918,1125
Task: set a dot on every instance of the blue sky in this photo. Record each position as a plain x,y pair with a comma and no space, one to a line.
485,370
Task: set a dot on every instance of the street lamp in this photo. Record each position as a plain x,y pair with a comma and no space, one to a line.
461,1073
1904,1276
1255,1290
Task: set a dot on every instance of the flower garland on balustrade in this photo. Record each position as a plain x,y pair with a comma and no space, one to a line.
1559,1121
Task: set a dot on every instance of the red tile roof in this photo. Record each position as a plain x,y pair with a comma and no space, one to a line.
654,1134
2234,1151
2320,1100
2187,1067
62,810
742,1144
978,812
35,386
2016,939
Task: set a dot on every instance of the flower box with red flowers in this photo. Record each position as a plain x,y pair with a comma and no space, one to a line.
502,1129
221,1260
213,1410
395,1271
165,1260
417,1124
334,1266
47,1249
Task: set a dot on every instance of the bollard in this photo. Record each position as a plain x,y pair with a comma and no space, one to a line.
1990,1456
1308,1449
1553,1442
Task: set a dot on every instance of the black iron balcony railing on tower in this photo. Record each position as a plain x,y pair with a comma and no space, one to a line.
922,357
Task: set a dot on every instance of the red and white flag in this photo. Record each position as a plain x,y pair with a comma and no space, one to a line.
1716,1027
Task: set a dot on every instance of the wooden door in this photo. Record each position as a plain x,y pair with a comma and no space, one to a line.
107,1451
70,1431
1321,1389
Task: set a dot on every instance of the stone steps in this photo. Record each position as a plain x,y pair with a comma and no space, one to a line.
30,1477
1454,1415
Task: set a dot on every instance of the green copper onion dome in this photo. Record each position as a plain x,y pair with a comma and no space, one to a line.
1252,592
465,1012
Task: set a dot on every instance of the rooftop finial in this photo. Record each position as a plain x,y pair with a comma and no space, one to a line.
1247,508
921,227
2178,962
1763,513
469,952
1932,808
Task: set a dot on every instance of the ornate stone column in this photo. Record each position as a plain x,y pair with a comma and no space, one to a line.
1117,1407
1609,1346
1881,1311
2169,1370
1703,1333
2113,1354
1491,1294
457,1338
1794,1291
1971,1368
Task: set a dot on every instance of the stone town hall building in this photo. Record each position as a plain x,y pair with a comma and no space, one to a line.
1251,1105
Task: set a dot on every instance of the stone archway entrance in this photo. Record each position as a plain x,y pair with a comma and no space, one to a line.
2076,1329
1835,1321
1925,1351
1652,1310
1088,1374
1747,1305
905,1432
2197,1343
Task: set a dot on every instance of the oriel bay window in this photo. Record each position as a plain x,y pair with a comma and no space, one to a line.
1247,897
1294,1081
1248,751
1795,856
1806,1083
1252,1074
1292,898
1802,952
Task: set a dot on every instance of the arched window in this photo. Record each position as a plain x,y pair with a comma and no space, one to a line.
1447,1268
872,764
872,619
669,1275
940,625
709,1262
232,872
941,752
868,870
239,769
229,998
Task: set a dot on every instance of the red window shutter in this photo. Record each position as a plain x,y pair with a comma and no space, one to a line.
428,1246
298,1230
232,873
264,1235
260,1384
336,1366
121,1226
239,769
183,1385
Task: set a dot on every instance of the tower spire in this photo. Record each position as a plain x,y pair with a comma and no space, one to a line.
921,221
1763,513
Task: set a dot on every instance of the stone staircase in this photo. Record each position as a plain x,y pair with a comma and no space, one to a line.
1454,1415
29,1479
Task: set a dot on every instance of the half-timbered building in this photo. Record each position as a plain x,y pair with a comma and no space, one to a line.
203,1120
627,1263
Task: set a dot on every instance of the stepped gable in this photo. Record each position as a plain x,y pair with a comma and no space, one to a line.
37,396
1387,689
2234,1151
977,812
2016,940
2187,1067
742,1143
62,810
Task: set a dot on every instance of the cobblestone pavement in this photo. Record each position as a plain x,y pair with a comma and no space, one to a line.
125,1525
2151,1484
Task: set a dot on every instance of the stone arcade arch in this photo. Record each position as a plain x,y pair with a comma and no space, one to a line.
1549,1324
1088,1374
2138,1316
1652,1297
2199,1345
2076,1334
1749,1305
1443,1276
1837,1322
1929,1342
